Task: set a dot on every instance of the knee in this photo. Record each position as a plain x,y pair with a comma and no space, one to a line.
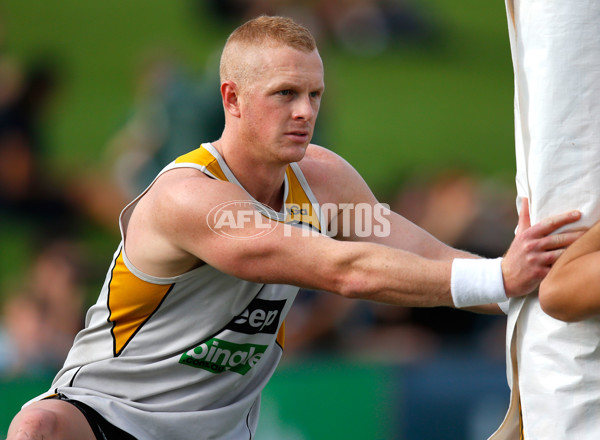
33,424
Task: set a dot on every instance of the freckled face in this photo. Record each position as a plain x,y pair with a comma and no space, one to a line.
280,105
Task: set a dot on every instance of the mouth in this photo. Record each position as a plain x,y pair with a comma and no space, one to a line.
299,135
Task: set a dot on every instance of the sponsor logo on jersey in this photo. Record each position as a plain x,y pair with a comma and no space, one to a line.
218,356
261,316
295,210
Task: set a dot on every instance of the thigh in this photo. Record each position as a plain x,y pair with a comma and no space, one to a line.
50,419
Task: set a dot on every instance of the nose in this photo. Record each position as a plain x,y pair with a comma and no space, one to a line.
305,108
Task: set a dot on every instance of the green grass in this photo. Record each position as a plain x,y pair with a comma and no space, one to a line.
418,110
100,44
407,110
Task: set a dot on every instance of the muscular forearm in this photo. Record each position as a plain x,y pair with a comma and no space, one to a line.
391,276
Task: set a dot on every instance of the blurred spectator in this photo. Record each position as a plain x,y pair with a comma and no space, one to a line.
313,323
324,323
27,190
467,213
461,210
362,27
41,317
173,113
238,10
369,27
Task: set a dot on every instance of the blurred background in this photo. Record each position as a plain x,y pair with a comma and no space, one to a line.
96,97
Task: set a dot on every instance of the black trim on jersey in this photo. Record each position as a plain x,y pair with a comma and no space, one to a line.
72,381
301,223
278,344
112,323
248,420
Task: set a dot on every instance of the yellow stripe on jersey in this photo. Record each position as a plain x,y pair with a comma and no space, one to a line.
202,156
131,302
281,335
521,432
298,205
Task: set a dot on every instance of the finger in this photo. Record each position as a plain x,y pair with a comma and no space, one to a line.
551,224
561,240
524,219
550,257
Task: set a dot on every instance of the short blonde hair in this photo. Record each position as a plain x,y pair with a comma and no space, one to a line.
265,31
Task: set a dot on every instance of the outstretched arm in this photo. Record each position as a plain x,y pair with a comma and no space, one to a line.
176,230
571,291
525,264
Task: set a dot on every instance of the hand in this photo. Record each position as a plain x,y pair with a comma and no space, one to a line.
534,250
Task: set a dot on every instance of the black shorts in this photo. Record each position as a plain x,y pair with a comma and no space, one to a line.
102,428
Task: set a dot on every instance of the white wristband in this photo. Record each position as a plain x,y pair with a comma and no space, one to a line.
477,281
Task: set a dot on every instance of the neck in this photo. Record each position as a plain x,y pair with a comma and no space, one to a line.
262,180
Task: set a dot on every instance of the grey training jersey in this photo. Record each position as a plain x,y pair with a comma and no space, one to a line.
187,356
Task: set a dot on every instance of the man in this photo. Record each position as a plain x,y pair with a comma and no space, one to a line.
554,366
189,327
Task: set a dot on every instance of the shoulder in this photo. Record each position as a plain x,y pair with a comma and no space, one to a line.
330,176
171,217
323,158
323,166
186,192
177,202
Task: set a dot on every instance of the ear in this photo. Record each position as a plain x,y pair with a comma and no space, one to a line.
229,93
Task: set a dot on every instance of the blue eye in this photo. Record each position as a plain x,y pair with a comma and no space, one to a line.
285,92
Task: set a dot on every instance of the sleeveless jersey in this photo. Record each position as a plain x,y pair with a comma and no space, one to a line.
186,356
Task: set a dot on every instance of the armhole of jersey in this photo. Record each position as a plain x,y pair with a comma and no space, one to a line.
125,214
